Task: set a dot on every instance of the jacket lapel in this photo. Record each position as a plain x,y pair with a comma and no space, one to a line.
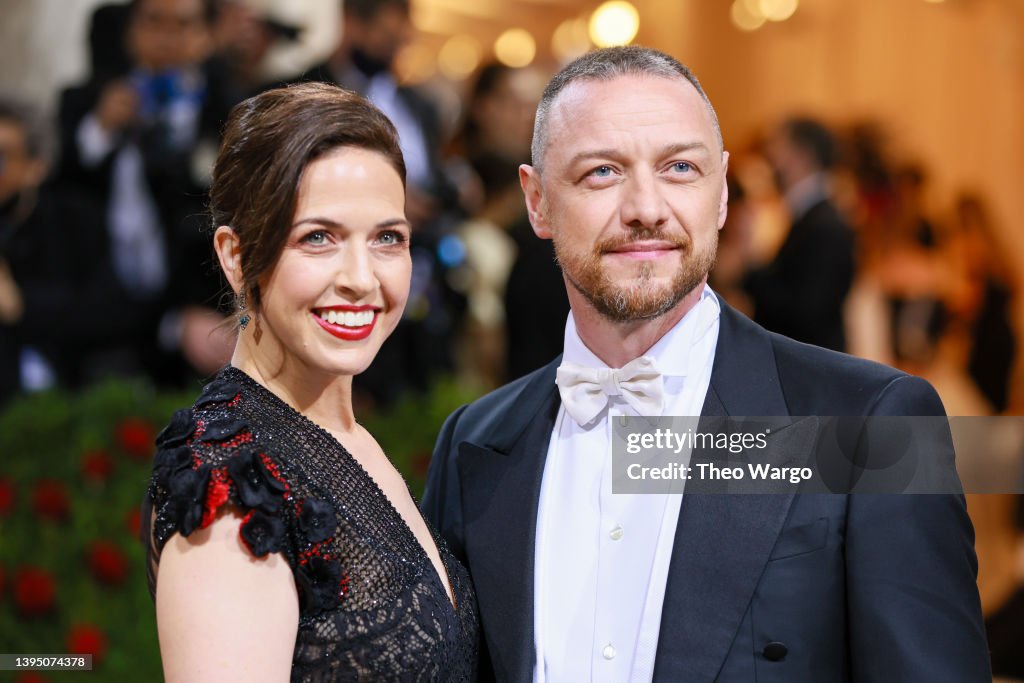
500,482
723,541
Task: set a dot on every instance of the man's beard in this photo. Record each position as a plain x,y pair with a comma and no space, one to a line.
638,298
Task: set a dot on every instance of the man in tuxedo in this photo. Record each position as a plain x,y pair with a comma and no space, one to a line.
815,263
140,138
575,583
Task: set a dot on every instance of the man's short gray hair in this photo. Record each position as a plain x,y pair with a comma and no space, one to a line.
604,65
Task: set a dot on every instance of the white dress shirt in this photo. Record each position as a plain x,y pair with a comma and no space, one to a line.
602,560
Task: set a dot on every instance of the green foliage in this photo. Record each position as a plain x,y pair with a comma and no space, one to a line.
73,471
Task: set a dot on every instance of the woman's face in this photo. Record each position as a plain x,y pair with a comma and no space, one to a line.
340,285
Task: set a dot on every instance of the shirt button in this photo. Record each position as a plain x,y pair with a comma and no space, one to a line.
608,652
616,533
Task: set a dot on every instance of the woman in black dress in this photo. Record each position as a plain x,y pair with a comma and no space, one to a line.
282,542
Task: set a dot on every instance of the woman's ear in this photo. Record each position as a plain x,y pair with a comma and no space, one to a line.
229,252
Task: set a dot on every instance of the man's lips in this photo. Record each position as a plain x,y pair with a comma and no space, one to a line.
645,249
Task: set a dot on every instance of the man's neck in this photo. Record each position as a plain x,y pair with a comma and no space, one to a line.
617,343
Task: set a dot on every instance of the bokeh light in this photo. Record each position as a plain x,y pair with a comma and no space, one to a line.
570,40
459,56
777,10
415,63
746,15
515,47
614,23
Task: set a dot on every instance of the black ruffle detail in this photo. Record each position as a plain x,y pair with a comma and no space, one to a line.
169,462
317,520
187,495
218,392
222,430
319,585
262,533
181,427
256,487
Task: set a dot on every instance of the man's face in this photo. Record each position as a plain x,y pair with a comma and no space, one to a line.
168,34
382,36
632,193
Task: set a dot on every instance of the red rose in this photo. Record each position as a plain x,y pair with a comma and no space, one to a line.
136,437
50,500
86,639
6,496
33,591
107,562
133,522
97,465
30,677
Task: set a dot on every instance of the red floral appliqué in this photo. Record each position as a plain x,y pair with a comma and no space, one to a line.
275,472
237,440
217,492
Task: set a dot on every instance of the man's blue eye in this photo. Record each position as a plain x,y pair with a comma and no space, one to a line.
603,171
682,167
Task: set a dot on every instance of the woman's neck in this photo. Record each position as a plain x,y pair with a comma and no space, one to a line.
323,398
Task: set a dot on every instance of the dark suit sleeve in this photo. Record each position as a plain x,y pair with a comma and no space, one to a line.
914,610
442,504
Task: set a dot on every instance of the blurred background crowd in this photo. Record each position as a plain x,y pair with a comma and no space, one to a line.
876,155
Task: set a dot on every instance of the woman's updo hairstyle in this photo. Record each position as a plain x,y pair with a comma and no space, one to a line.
269,140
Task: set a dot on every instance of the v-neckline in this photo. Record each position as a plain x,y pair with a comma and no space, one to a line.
445,581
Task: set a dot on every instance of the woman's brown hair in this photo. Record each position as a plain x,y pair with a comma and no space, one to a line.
269,141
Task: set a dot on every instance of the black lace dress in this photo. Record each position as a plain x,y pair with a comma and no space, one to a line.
372,606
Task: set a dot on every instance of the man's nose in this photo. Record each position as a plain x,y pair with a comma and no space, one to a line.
644,204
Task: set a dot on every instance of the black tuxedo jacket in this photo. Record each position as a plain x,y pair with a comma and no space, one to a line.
780,588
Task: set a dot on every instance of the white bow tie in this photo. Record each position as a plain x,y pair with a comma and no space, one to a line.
585,391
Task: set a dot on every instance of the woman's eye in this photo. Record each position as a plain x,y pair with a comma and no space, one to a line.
316,238
682,167
391,237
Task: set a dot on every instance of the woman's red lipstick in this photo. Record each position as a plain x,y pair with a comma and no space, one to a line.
350,323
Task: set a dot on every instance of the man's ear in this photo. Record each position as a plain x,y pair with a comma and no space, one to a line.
723,202
533,192
229,253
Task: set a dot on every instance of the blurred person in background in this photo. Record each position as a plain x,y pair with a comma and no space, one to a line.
60,304
22,241
800,294
242,37
512,314
372,33
907,258
982,300
140,139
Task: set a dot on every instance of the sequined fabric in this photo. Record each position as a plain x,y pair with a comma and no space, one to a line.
372,606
